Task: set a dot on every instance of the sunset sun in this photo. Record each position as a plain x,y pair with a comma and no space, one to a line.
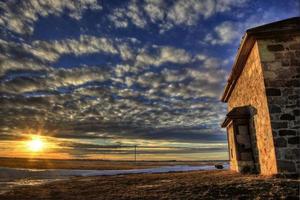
35,144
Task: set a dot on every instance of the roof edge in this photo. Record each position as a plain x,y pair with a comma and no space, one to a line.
247,43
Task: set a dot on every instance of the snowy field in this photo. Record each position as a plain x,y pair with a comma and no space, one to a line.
12,177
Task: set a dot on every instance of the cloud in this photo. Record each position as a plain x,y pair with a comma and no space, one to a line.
53,50
15,57
52,80
162,55
189,12
226,33
227,5
121,16
19,17
231,32
168,15
129,100
120,149
155,9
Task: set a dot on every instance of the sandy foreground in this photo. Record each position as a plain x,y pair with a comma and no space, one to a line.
215,184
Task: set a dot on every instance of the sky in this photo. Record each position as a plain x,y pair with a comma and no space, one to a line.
95,78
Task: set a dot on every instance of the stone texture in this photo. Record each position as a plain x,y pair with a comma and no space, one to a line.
294,97
292,154
280,142
295,62
250,90
270,82
276,47
286,132
296,112
275,109
295,46
278,125
292,83
287,117
284,106
294,140
286,166
273,92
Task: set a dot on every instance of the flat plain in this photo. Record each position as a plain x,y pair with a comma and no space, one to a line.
217,184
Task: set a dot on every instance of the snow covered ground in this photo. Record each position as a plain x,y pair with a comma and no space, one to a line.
12,177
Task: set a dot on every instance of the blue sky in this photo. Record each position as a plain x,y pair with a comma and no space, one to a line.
92,75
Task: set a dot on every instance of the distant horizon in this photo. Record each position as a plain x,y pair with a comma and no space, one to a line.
74,159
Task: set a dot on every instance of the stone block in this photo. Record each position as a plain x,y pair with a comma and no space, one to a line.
279,56
293,83
274,133
279,125
295,46
289,55
287,91
278,154
285,62
274,83
275,109
286,132
280,142
275,47
292,154
265,54
296,112
294,140
286,166
278,100
295,62
292,106
296,76
283,39
293,97
270,75
287,117
273,92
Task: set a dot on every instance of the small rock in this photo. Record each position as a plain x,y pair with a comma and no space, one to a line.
219,166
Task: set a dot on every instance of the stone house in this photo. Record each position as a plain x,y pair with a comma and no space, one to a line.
263,98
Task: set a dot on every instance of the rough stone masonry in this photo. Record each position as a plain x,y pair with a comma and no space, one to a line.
266,77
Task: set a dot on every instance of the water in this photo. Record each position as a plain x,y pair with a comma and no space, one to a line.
14,177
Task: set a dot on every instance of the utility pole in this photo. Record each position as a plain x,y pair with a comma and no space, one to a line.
135,153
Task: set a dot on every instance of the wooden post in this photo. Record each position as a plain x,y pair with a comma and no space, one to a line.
135,153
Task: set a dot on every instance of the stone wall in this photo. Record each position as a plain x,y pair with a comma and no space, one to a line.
280,60
250,90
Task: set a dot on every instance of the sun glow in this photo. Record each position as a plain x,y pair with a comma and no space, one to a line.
36,144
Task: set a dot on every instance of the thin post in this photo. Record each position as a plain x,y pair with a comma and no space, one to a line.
134,153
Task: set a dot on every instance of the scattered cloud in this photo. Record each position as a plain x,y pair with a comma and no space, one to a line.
53,50
167,15
162,55
226,33
137,72
19,16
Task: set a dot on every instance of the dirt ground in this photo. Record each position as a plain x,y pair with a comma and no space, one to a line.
188,185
